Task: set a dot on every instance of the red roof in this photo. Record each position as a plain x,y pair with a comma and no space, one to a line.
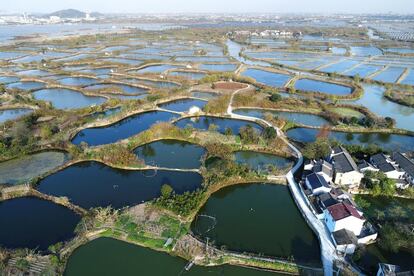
342,210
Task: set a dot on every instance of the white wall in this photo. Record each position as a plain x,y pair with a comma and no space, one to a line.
349,178
350,223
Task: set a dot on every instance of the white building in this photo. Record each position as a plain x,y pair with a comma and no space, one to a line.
344,216
317,184
406,165
323,169
345,169
345,241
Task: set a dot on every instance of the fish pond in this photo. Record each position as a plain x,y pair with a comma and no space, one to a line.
157,68
261,161
188,75
204,95
92,184
106,256
374,100
296,117
266,77
217,123
67,99
77,81
183,105
128,89
171,154
390,142
218,67
267,222
322,87
26,85
12,114
123,129
30,222
23,169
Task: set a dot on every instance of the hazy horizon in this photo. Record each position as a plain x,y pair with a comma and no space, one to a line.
215,6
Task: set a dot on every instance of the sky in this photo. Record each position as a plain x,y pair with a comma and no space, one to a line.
212,6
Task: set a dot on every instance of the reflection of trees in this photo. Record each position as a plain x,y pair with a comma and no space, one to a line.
324,132
349,136
365,137
148,151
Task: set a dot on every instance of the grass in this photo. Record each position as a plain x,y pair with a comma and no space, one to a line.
347,112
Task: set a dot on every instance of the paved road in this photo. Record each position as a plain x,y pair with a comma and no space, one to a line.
328,252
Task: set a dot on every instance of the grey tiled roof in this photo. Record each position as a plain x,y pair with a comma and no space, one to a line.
317,181
405,163
343,163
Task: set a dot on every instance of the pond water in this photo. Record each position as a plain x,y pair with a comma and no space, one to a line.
409,79
392,74
204,95
23,169
106,256
128,89
8,79
373,100
400,50
189,75
340,66
202,59
74,57
261,161
363,70
322,87
106,113
114,187
29,58
99,71
266,77
26,85
171,154
11,55
157,68
34,223
128,97
132,62
257,218
158,84
365,51
12,114
218,67
296,117
394,142
67,99
183,105
338,51
123,129
33,73
235,48
77,81
219,124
